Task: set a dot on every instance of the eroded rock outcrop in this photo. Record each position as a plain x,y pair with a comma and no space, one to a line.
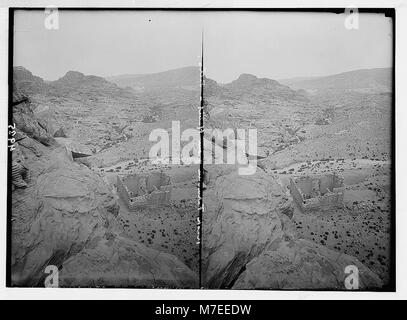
70,209
114,261
48,121
302,264
64,216
63,207
28,82
240,220
249,241
248,84
25,121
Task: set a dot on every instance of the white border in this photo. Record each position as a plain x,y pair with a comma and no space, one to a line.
179,294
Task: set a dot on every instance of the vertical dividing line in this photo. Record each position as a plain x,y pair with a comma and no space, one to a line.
201,167
393,228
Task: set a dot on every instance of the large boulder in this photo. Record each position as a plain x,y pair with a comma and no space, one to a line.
114,261
303,264
240,220
47,120
64,206
77,149
64,219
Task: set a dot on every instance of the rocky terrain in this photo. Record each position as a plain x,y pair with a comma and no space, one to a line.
250,243
69,213
255,236
363,80
185,78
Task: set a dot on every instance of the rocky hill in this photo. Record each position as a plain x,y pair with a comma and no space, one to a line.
186,78
64,214
371,80
25,81
72,84
262,87
104,116
263,103
248,86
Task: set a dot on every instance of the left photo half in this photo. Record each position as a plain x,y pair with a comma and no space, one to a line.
104,148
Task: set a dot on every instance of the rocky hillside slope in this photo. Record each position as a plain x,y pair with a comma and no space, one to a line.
277,111
72,84
27,82
250,243
187,78
113,122
254,237
63,216
249,86
372,80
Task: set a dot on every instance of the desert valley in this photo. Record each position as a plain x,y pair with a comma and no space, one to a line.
321,196
87,198
82,138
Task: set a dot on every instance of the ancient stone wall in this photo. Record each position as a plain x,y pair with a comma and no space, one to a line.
296,194
140,191
317,193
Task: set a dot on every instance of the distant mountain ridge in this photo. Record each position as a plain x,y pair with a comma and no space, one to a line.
77,81
187,78
248,85
377,79
72,83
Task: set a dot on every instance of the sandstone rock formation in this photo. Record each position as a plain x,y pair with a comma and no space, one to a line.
249,85
28,82
240,220
48,121
88,86
25,121
114,261
302,264
72,84
249,241
64,217
68,213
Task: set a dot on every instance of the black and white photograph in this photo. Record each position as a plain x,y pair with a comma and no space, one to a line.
94,93
201,149
308,202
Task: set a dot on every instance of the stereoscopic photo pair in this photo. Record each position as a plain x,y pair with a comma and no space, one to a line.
201,149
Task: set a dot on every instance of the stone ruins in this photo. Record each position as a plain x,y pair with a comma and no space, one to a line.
321,192
143,190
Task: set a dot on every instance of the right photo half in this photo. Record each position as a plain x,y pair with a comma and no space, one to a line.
298,151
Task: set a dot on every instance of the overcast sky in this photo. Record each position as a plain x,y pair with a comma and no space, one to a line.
266,44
